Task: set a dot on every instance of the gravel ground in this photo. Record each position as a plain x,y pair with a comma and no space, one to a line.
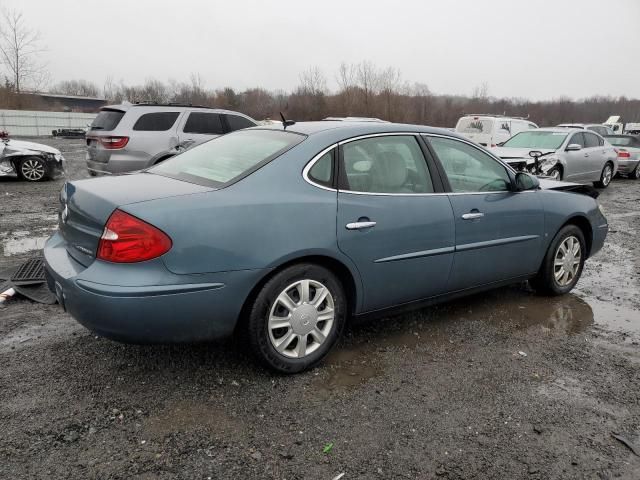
501,385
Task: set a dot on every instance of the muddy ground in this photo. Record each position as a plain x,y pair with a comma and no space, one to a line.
501,385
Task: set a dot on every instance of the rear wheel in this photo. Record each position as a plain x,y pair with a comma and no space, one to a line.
33,169
605,176
636,172
296,318
563,262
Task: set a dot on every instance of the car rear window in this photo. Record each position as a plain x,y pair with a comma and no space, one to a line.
474,125
620,141
228,158
156,122
206,123
107,120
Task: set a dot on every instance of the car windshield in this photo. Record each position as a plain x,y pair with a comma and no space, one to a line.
474,125
225,159
536,139
620,141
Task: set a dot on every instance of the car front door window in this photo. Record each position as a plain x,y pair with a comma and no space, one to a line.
469,169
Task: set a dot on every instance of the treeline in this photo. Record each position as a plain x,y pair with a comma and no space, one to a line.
363,90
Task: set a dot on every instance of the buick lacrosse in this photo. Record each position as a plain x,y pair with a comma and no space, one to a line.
282,234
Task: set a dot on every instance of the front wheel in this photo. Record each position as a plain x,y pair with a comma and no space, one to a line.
296,318
605,176
555,173
562,264
33,169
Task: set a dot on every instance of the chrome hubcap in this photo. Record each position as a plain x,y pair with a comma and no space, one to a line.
32,169
301,318
606,175
556,174
567,261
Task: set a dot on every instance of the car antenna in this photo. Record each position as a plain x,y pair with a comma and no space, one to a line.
285,122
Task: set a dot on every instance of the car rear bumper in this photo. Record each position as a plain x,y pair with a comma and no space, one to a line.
116,164
187,309
627,166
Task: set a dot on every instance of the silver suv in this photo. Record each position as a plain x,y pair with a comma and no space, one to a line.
128,137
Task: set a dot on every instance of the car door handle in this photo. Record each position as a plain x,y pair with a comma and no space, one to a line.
471,216
586,154
360,225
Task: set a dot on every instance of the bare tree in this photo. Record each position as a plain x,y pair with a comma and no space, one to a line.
481,92
313,82
369,82
83,88
19,51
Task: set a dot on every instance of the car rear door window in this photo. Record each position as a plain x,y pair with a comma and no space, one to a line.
591,140
577,139
385,164
236,122
205,123
156,122
469,169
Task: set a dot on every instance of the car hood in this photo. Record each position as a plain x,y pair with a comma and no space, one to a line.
19,146
549,184
507,153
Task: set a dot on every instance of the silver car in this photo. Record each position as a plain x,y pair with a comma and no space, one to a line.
628,147
129,137
575,155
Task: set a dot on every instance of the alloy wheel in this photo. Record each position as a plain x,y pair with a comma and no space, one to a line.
607,173
567,261
556,174
301,318
32,169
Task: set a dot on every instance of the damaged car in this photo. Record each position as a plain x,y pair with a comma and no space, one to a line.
30,161
282,233
575,155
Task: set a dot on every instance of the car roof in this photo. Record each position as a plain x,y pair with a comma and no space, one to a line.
123,107
353,128
556,129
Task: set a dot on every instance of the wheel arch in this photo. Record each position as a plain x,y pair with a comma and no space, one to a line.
349,279
584,225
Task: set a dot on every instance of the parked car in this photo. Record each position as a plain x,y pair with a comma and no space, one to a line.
491,130
355,119
127,137
594,127
282,235
575,155
628,147
30,161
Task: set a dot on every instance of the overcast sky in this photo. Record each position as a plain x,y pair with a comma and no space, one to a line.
535,49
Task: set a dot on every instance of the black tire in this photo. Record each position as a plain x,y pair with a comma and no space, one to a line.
552,172
605,178
258,333
545,281
636,172
33,169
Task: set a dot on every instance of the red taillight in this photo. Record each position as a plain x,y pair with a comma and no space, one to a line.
127,239
113,143
493,145
623,153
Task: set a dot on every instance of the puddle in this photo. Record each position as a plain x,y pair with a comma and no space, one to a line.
188,416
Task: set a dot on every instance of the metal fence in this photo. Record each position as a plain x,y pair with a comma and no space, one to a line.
36,123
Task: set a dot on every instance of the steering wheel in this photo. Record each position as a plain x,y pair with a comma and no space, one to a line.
498,182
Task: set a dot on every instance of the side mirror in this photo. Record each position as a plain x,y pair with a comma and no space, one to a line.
535,153
574,147
526,181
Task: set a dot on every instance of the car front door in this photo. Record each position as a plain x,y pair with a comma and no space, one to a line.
576,167
498,231
198,127
393,219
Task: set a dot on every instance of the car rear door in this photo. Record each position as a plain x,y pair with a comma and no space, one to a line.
393,219
498,231
199,126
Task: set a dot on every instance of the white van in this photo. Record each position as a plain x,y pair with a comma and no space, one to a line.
491,130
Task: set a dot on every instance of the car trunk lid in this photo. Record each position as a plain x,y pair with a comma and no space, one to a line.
87,204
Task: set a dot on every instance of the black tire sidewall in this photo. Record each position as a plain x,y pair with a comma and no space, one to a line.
601,183
44,164
257,330
547,280
555,169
